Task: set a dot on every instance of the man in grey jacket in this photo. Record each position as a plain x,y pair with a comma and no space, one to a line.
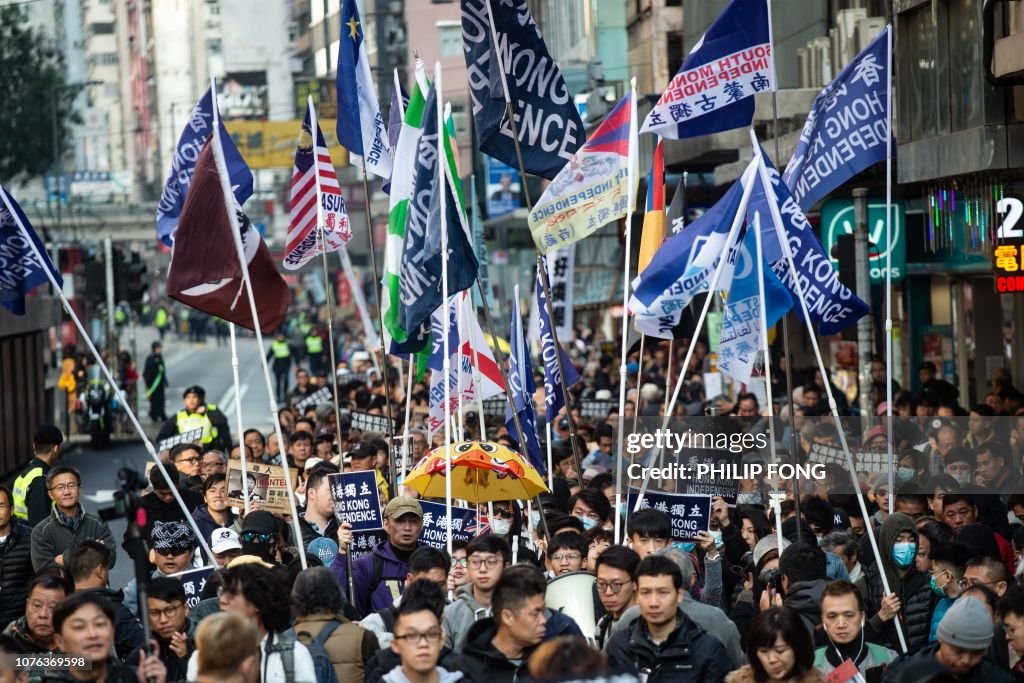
68,524
711,619
487,556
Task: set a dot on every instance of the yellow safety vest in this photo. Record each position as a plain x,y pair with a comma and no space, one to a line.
314,344
20,491
280,349
119,316
161,318
188,421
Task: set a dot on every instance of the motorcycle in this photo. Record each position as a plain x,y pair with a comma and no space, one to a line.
94,414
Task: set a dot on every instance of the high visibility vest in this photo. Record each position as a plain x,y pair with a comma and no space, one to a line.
20,491
161,318
305,327
314,344
280,349
188,421
119,316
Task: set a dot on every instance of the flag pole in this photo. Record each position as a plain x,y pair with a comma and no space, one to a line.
540,257
225,183
323,253
776,505
357,294
730,242
408,419
442,188
620,451
238,418
888,264
787,254
110,377
672,341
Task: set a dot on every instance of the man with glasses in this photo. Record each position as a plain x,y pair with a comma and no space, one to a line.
15,560
173,551
170,626
987,572
458,576
615,587
187,458
213,462
419,637
487,557
565,553
1011,614
68,524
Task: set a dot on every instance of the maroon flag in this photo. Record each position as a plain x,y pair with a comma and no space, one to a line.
205,272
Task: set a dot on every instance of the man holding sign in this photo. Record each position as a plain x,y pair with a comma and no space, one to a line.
379,577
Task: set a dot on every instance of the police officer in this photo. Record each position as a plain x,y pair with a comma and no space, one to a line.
281,353
155,376
197,414
31,501
315,351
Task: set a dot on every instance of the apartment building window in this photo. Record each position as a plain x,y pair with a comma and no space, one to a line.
213,46
451,38
104,59
320,59
102,28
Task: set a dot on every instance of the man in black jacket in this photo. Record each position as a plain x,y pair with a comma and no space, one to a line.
155,377
802,572
665,644
170,626
497,648
89,565
160,505
15,560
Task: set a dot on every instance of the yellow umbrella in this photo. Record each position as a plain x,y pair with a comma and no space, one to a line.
482,471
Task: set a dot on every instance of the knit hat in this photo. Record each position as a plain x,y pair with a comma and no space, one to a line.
767,544
260,521
172,536
967,625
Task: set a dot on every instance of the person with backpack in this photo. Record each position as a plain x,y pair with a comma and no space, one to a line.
259,595
340,649
426,563
379,577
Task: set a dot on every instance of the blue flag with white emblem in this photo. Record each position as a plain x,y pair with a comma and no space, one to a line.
549,125
521,388
714,88
847,129
360,123
195,134
21,268
553,399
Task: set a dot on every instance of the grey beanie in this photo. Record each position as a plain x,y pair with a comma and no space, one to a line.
967,625
767,544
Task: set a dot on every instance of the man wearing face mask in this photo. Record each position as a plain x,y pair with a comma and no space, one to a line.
959,463
911,596
946,579
843,619
590,507
259,536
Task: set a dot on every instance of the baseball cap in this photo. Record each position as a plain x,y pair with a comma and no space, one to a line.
172,536
260,521
325,433
48,435
402,505
311,463
224,539
363,449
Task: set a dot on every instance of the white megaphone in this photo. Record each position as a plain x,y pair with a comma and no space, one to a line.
573,594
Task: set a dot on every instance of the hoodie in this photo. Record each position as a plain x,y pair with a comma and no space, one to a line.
804,598
443,676
912,588
460,616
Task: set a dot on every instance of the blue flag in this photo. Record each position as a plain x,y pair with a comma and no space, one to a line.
549,125
846,130
741,322
190,144
521,388
399,101
420,282
553,400
714,88
21,269
360,124
831,304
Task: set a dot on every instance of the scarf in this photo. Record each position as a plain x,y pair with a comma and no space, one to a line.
836,654
70,522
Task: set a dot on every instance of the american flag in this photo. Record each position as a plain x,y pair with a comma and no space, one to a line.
313,162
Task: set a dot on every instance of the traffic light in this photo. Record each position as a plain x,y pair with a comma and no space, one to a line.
137,285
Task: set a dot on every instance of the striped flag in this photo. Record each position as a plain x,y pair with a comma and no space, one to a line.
315,197
654,219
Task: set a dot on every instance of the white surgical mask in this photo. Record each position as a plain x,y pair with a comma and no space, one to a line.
963,478
500,527
588,523
534,519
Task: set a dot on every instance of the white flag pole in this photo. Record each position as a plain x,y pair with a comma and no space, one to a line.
888,265
730,241
787,253
406,448
238,417
225,183
631,189
110,377
442,161
372,341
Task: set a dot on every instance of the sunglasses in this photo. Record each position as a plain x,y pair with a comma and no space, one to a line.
171,552
256,537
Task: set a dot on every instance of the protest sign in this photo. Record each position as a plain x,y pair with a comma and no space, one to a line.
495,406
691,458
689,513
356,499
593,408
350,377
322,395
191,436
436,525
863,461
193,581
266,486
363,542
368,422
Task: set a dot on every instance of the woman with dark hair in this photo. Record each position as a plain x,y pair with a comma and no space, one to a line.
567,658
754,525
779,650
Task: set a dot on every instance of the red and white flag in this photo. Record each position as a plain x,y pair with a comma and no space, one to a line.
316,197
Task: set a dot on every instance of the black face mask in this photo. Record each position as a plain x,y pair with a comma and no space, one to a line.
264,551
